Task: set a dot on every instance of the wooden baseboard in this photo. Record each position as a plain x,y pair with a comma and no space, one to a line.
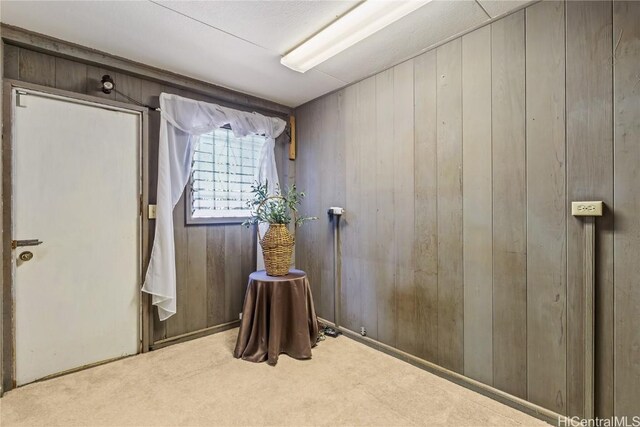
493,393
195,334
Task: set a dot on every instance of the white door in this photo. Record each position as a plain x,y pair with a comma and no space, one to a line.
76,185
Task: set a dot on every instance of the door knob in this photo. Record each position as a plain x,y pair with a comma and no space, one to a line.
26,256
30,242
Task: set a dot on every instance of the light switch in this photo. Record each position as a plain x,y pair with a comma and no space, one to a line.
152,211
586,208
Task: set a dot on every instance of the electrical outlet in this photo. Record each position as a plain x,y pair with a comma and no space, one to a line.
586,208
240,316
152,212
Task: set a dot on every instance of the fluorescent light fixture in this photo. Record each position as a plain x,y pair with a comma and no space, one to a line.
361,22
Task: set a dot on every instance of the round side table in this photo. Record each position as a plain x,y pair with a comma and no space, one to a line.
278,316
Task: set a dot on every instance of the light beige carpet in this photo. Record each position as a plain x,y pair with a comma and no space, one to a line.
200,383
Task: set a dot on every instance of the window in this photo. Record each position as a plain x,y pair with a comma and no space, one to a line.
223,170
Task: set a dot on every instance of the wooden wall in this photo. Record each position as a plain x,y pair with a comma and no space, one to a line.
2,235
213,261
457,169
626,196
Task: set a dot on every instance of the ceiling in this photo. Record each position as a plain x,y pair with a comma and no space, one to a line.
238,44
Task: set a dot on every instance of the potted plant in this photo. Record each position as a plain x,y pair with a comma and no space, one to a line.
276,210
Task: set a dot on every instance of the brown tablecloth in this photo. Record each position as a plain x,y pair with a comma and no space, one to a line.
278,317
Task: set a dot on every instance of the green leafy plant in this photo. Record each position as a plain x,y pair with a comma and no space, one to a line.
275,210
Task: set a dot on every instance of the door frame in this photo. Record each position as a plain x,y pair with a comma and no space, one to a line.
7,318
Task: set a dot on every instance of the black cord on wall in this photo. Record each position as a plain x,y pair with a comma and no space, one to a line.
108,86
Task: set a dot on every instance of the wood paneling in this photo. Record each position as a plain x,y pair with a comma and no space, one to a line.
358,225
546,198
626,32
128,86
589,177
216,313
315,239
368,205
386,209
2,232
477,205
425,206
353,222
449,200
332,151
509,206
196,274
304,236
321,229
11,62
248,242
233,282
71,75
213,262
403,190
511,123
36,67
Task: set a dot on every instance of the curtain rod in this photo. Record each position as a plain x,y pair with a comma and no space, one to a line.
108,85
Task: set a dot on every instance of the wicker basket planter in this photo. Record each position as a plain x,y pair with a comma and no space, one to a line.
277,249
278,211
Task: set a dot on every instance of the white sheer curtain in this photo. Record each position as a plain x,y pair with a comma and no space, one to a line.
183,121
